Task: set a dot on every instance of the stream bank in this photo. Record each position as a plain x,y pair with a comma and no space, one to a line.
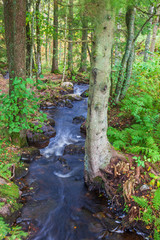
57,203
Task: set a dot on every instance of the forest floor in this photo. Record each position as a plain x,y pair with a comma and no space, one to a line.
123,178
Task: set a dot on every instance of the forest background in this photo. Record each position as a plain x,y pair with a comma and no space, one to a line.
60,40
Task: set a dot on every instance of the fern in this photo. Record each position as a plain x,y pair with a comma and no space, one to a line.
142,202
150,213
156,200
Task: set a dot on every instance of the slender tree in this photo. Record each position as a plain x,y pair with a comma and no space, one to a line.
97,148
83,64
154,34
38,39
148,38
55,39
70,37
130,18
47,27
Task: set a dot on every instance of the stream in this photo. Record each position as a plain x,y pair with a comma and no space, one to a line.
59,205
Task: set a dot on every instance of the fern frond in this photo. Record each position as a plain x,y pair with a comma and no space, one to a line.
156,199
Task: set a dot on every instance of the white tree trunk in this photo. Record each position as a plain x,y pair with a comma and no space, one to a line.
97,148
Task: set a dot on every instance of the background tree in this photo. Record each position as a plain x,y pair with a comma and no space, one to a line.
55,39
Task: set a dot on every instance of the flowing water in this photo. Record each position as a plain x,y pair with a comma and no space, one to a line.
59,204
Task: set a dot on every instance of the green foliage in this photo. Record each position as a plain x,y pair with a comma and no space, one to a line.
142,104
4,229
18,109
10,233
139,161
11,191
150,211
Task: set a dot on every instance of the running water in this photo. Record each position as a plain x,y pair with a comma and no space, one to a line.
60,205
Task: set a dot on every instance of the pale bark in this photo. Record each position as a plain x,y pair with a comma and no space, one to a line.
70,37
55,39
130,18
154,34
97,147
148,38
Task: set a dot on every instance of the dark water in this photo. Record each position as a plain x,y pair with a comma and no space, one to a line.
60,205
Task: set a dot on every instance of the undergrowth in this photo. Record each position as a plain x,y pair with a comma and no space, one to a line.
142,103
149,212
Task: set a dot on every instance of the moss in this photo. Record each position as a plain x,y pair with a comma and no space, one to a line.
98,180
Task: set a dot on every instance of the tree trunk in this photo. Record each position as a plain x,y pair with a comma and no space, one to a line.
28,39
55,39
148,38
15,31
126,82
70,37
38,52
130,18
83,66
32,42
97,148
46,47
65,50
154,34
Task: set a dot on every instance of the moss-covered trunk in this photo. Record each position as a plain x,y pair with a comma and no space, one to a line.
97,148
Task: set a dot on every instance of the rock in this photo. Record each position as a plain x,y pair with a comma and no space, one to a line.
68,86
85,93
21,172
48,131
37,139
68,104
144,187
74,149
41,140
79,119
29,154
73,97
5,210
2,181
83,127
51,121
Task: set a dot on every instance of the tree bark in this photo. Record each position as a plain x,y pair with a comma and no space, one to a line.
70,37
130,18
38,52
28,39
127,78
154,34
97,147
46,47
83,66
148,38
15,31
55,39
